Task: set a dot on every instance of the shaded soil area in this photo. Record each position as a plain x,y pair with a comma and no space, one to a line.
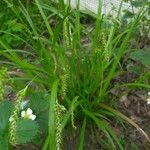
134,106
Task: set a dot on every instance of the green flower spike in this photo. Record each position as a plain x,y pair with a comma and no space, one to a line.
3,79
59,110
64,83
14,117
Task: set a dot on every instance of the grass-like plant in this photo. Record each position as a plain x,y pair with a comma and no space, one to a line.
49,53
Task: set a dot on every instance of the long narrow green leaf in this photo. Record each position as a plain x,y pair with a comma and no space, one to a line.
138,85
81,144
98,25
27,16
102,125
45,19
15,58
46,143
51,124
69,113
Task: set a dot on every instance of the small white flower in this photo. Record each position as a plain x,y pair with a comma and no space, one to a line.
28,114
32,117
148,100
29,111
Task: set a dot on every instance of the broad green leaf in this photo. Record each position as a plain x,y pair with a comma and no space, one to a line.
26,131
5,112
39,102
42,120
143,56
4,142
135,68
